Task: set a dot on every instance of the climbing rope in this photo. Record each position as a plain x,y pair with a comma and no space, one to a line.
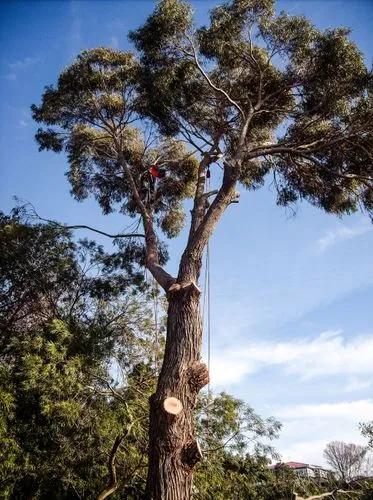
207,299
207,303
156,329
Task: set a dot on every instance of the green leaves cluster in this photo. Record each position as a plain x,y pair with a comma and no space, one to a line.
89,115
304,92
65,316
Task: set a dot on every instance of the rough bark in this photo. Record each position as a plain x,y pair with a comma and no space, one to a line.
173,450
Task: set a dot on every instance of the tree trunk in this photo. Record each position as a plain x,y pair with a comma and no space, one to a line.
173,450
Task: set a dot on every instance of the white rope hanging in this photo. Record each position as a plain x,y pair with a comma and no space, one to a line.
156,328
207,299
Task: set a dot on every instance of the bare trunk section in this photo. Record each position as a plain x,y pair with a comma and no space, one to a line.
173,450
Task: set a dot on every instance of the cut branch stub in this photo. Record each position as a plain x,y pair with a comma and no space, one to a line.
173,406
198,376
191,454
178,287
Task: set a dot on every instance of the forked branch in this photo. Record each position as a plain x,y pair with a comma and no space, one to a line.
211,84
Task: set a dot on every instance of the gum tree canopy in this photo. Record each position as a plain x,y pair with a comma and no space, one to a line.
260,94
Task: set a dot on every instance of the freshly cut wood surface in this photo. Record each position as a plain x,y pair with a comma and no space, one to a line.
173,405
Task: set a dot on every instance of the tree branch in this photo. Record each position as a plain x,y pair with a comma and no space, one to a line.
303,154
189,264
324,495
199,205
212,85
113,483
83,226
151,243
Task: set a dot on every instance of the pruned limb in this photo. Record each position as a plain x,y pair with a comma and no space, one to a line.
172,406
210,193
177,287
198,376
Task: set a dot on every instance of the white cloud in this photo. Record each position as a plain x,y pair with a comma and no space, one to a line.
339,234
356,384
310,452
356,411
20,65
307,428
328,354
23,64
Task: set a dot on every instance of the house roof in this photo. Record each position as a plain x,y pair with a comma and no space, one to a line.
294,465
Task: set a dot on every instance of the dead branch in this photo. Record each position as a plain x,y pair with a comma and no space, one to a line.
324,495
81,226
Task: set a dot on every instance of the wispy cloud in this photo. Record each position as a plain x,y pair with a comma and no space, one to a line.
327,354
340,234
357,384
24,63
24,120
353,410
16,67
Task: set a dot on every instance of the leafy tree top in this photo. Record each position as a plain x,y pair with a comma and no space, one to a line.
90,114
258,93
271,92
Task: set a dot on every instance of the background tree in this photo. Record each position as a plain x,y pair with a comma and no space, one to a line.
367,431
65,316
259,93
345,459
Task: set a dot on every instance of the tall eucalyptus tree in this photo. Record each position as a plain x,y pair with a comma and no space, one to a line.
259,93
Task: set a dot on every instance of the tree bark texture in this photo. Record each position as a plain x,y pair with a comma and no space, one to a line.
173,450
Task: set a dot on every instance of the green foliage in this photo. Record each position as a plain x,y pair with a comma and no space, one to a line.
63,316
89,115
306,95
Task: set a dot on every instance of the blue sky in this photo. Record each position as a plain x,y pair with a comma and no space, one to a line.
292,296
